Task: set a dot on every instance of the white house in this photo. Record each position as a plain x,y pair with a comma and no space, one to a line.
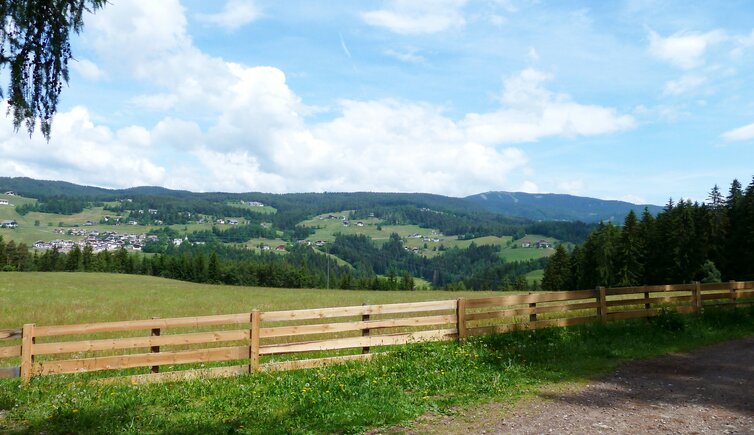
3,202
8,224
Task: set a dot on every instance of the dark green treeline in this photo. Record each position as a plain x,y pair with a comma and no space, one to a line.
686,242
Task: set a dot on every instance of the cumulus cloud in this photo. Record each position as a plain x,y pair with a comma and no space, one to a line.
417,17
235,14
532,112
83,152
242,128
685,50
739,134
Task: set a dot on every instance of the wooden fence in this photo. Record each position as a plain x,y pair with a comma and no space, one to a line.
237,343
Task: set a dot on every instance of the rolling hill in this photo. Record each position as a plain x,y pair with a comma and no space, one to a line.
552,206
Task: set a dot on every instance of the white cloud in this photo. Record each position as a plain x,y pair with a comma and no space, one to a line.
532,112
686,83
235,14
242,128
418,17
741,133
83,152
87,69
408,55
685,50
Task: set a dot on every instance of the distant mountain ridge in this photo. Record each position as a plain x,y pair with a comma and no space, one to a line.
536,207
555,206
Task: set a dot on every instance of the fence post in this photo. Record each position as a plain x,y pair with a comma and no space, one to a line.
254,341
733,287
461,318
696,296
365,331
27,353
647,305
155,349
532,315
602,301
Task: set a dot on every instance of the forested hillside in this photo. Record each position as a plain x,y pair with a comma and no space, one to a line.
687,241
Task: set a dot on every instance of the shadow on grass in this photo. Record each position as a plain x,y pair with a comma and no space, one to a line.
719,375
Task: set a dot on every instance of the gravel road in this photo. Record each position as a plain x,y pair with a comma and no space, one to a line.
710,390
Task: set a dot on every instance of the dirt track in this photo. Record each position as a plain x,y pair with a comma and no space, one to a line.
707,391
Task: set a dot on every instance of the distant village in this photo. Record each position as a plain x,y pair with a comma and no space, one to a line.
98,240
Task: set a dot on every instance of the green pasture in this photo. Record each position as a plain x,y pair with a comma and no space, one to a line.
63,298
357,397
263,210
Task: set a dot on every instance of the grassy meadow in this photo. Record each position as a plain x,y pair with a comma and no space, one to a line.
49,298
354,397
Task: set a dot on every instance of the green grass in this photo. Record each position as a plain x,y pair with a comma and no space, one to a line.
65,297
352,397
262,210
535,275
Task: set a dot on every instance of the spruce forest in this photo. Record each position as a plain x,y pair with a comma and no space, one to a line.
687,241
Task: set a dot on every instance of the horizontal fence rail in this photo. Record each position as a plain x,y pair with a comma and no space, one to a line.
233,344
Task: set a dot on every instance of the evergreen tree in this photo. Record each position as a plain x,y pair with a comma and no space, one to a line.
87,258
73,260
558,271
630,253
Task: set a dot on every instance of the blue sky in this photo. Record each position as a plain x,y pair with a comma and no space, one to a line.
638,100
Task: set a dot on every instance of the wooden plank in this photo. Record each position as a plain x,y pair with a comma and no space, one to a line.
602,302
501,301
27,353
180,375
745,294
715,286
139,342
141,360
569,321
365,332
8,334
461,318
254,341
326,328
156,332
359,310
10,351
10,372
685,309
713,296
649,288
351,342
633,314
622,302
312,363
136,325
529,310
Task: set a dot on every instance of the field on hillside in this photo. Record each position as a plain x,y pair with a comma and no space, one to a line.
429,241
28,232
263,210
63,298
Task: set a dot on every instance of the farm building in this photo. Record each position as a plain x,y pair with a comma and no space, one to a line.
3,202
8,224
